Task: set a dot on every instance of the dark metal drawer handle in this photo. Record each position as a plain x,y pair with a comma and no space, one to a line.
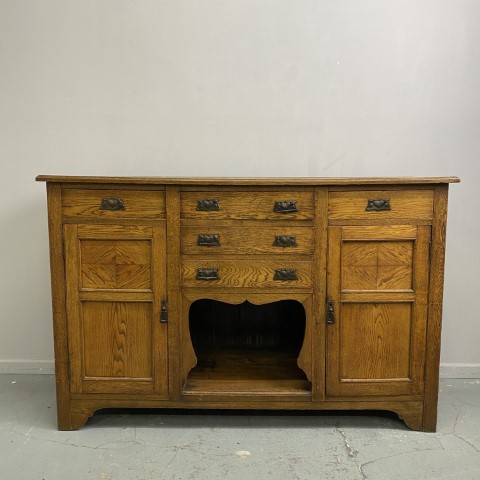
112,204
208,205
330,312
208,240
164,312
285,206
285,274
207,274
378,205
285,241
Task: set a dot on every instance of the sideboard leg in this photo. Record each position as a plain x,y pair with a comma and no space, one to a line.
80,416
412,416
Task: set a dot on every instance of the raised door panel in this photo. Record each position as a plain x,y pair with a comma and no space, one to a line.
376,265
115,264
116,339
116,283
377,286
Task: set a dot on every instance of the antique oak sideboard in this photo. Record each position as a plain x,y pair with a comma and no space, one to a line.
259,293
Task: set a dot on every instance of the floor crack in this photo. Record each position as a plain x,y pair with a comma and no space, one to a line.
351,452
363,465
455,434
176,450
466,441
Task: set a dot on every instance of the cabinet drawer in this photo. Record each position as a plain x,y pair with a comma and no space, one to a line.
281,205
211,272
381,204
113,203
285,240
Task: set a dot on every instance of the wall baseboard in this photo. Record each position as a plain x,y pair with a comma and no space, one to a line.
447,370
460,370
27,366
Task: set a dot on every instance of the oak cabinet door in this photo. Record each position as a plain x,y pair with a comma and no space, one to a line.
377,293
116,282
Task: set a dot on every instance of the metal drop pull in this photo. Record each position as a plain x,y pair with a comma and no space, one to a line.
207,274
285,206
208,205
284,274
208,240
112,204
330,313
164,312
285,241
378,205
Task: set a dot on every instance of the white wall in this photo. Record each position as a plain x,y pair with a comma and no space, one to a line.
240,88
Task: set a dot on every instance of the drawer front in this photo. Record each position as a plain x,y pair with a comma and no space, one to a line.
115,204
285,240
281,206
381,204
246,273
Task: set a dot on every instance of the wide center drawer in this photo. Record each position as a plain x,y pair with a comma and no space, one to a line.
284,240
281,205
212,272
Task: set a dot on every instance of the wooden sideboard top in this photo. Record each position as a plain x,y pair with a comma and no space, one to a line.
265,181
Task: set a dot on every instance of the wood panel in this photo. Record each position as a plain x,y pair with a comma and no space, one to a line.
115,264
59,300
117,339
375,341
246,273
377,265
245,241
248,205
435,290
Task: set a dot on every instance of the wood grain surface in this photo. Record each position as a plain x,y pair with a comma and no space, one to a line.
246,273
247,240
239,181
408,204
85,203
248,205
377,342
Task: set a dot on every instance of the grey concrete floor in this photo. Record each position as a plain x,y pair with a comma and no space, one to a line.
183,445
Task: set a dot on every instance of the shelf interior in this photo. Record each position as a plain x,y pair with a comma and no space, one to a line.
247,349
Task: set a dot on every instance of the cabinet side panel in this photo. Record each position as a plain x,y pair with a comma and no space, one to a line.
57,271
432,358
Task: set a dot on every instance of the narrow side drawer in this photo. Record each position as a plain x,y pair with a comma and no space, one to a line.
115,204
381,204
